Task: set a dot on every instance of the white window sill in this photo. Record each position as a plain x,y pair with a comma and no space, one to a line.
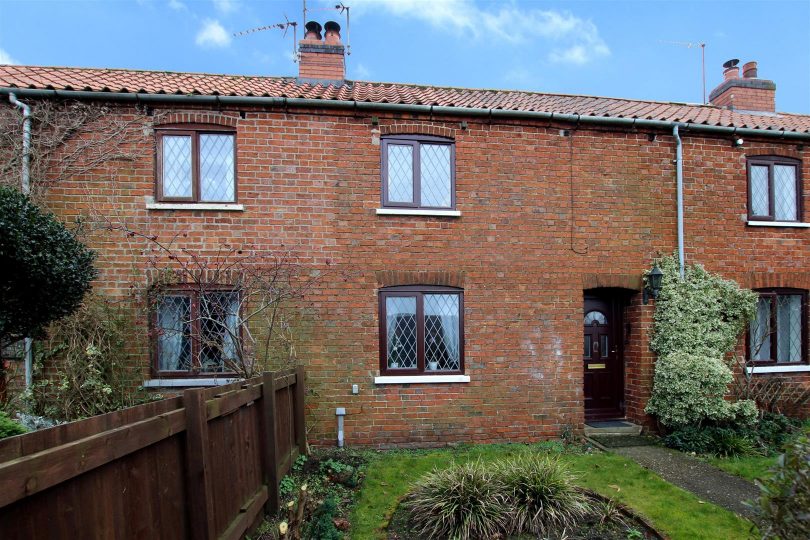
778,369
219,207
417,379
185,383
793,224
417,212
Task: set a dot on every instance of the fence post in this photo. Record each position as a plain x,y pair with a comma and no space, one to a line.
299,411
200,492
269,447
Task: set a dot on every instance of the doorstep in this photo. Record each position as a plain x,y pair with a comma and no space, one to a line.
611,427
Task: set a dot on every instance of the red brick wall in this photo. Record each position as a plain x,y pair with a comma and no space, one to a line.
326,62
544,216
747,99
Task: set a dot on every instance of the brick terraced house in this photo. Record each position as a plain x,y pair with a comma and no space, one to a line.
486,235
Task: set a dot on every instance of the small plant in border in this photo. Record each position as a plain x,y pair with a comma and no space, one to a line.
785,496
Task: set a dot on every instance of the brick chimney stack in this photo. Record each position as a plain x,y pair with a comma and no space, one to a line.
748,93
322,59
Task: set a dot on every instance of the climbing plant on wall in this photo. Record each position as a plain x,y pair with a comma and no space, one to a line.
697,321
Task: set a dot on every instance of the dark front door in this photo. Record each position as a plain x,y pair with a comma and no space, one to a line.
602,356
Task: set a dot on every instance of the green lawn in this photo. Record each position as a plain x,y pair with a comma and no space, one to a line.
678,514
749,467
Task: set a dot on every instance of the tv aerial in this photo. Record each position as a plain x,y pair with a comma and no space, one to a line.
340,7
285,26
694,45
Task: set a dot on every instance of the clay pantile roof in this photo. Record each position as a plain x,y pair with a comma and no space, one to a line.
165,82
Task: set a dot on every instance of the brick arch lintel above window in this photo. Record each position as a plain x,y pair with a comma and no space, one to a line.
776,280
195,117
418,128
791,156
392,278
203,278
631,282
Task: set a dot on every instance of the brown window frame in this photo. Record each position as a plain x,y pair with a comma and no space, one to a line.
774,292
419,291
770,161
415,141
194,131
194,293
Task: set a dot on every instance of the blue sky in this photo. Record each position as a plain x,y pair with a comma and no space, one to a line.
607,48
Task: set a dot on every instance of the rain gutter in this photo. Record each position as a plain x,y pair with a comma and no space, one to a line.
269,101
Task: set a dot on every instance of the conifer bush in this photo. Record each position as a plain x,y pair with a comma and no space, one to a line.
46,269
8,427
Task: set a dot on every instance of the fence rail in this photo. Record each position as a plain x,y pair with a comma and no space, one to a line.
202,466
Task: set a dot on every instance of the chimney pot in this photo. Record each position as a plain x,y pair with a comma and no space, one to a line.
322,59
313,30
332,33
750,70
749,93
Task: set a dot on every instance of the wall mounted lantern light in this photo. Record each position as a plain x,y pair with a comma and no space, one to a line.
653,285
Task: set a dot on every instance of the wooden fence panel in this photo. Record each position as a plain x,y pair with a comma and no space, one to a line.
138,496
204,465
37,441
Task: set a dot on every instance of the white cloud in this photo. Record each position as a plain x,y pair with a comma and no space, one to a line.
177,5
212,34
360,72
519,75
226,6
6,58
573,40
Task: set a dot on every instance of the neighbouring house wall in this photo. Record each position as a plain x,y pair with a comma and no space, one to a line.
543,212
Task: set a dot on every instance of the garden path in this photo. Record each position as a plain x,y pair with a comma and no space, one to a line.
692,474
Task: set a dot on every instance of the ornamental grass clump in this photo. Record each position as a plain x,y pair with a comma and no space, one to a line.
460,502
542,495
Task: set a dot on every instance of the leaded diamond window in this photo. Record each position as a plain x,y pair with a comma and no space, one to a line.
777,333
400,321
197,332
774,192
196,165
421,330
418,172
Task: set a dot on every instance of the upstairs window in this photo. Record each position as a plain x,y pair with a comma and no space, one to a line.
421,330
196,164
777,334
196,332
418,172
774,189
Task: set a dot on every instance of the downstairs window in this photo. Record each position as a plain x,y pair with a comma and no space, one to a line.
421,330
778,333
196,332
